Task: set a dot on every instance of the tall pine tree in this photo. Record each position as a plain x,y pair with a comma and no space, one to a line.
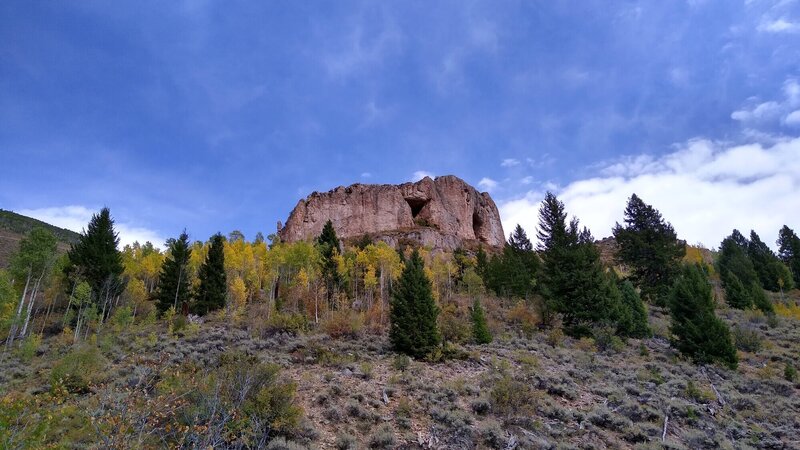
697,331
738,273
768,267
573,280
513,272
173,281
328,245
649,246
789,251
413,312
96,259
213,281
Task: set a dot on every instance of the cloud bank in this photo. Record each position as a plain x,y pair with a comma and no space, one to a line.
76,218
705,189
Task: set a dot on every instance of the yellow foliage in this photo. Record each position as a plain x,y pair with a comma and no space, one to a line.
788,310
237,292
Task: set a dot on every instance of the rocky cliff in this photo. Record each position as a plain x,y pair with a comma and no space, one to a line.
441,213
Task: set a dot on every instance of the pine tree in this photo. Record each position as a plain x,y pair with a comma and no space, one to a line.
96,259
789,251
328,245
413,312
513,272
633,316
519,240
737,271
213,279
735,293
649,246
760,299
480,329
573,280
697,331
173,281
766,264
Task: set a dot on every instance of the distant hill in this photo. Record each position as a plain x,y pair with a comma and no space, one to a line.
17,223
14,227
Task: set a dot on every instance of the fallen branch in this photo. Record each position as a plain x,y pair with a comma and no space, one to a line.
664,434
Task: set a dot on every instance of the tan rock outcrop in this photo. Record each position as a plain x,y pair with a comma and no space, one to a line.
442,213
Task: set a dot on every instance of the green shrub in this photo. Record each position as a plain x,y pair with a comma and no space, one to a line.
123,316
382,438
511,396
246,389
555,337
401,362
747,339
607,340
344,323
790,373
291,323
345,441
79,369
29,346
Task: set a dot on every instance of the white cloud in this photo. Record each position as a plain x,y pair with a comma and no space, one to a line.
781,25
509,162
705,189
761,113
76,218
793,119
527,180
420,174
487,183
366,175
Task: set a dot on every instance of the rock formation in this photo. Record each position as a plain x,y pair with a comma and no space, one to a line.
444,213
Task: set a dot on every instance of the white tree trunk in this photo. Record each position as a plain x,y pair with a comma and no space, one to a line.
15,325
30,306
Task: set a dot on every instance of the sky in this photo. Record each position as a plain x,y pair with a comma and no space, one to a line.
214,116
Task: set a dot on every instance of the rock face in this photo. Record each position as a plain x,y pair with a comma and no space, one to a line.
444,213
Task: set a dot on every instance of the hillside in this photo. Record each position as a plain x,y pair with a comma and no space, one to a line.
148,386
19,224
13,228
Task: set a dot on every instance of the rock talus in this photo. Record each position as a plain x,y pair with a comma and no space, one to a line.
443,213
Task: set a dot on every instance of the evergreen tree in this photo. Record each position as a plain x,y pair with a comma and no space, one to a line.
649,246
735,293
213,279
512,273
766,264
173,281
760,299
697,331
480,329
789,251
96,259
328,245
633,316
519,240
413,311
738,272
573,280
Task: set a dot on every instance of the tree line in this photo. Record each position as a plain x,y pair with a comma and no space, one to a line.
562,278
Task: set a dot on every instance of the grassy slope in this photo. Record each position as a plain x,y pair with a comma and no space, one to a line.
569,394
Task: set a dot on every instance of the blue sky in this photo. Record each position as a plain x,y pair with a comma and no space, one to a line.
222,115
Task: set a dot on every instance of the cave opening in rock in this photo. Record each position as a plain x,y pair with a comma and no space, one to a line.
477,227
416,205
